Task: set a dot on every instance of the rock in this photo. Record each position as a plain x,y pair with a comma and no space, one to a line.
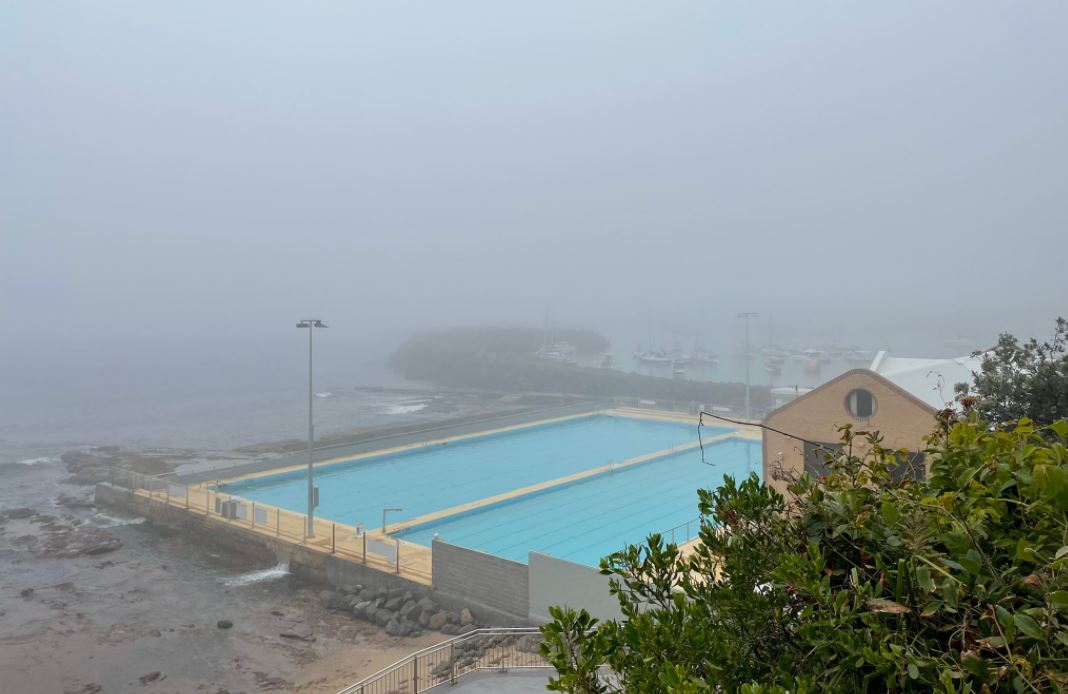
393,627
437,620
359,609
382,617
406,610
298,635
466,617
450,629
453,618
75,501
367,594
395,593
26,592
466,629
17,513
424,619
224,624
394,604
155,676
76,542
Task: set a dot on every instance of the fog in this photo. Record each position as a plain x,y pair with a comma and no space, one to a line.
180,182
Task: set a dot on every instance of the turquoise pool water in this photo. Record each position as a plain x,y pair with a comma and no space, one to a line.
437,477
592,518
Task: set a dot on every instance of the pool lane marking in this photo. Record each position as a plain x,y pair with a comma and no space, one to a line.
550,484
630,413
411,446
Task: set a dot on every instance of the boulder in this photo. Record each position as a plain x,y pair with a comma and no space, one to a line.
76,542
224,624
451,629
466,617
394,603
382,617
453,618
360,609
466,628
437,620
406,610
395,593
393,627
367,594
424,619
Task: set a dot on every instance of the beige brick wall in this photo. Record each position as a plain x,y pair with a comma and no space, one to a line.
902,420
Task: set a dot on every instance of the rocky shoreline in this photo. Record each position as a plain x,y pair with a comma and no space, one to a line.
398,612
98,604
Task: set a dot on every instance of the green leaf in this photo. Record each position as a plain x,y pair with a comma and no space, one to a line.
914,672
923,577
1028,626
1059,598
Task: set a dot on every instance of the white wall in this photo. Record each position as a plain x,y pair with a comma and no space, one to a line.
559,582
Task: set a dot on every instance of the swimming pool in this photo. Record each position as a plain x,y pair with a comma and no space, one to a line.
440,476
591,518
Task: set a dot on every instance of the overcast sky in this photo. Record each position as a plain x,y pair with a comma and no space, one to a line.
183,177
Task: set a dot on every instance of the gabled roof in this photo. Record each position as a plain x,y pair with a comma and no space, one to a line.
867,373
930,380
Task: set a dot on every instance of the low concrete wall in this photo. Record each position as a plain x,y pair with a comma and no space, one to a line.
384,442
307,564
484,580
563,583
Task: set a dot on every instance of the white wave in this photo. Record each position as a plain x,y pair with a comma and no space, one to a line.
405,409
323,395
105,521
37,461
275,572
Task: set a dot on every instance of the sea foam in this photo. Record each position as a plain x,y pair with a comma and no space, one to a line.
250,577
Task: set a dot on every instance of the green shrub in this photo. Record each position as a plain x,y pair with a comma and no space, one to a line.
955,583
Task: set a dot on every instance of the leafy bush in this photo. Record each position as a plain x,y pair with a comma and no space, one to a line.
955,583
1023,379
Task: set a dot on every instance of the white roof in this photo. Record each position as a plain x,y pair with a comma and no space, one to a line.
930,380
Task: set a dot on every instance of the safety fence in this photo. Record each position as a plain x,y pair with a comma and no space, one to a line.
495,649
684,532
373,549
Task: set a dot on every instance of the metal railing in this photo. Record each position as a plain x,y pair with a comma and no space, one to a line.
500,649
383,553
681,534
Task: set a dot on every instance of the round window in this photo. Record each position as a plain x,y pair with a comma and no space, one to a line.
861,403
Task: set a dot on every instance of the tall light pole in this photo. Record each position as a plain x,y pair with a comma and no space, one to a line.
311,324
748,356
